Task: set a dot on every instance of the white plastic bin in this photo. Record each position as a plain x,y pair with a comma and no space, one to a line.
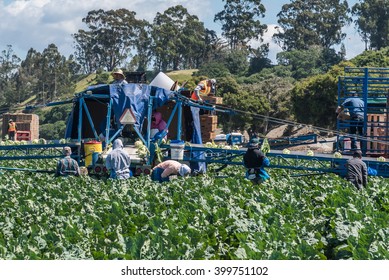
177,149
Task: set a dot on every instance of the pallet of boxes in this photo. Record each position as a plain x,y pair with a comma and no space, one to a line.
208,120
27,126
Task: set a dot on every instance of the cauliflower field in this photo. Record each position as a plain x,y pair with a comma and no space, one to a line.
203,217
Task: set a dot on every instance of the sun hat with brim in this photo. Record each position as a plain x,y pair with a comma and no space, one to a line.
119,72
184,170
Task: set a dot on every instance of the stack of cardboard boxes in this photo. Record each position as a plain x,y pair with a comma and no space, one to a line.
209,121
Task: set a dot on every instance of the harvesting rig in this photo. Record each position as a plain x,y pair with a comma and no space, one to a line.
126,111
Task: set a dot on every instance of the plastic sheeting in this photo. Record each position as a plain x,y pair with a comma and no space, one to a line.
136,97
196,139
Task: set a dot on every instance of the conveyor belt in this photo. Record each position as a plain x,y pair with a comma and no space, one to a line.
296,160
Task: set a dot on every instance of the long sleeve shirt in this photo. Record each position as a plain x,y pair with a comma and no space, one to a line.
118,161
357,172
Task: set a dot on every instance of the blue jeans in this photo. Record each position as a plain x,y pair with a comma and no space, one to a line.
156,175
356,127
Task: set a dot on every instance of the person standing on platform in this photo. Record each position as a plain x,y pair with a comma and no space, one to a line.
206,87
356,108
12,129
119,77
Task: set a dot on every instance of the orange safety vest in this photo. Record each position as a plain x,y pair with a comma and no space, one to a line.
12,126
205,89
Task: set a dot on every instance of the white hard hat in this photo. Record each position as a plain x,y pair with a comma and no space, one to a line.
213,81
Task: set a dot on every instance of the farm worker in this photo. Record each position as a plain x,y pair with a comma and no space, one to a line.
12,128
162,171
158,125
67,166
357,170
356,108
118,161
204,87
255,161
118,77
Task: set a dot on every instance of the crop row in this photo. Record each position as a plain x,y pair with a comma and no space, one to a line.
203,217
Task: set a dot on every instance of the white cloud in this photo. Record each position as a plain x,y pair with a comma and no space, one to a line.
38,23
35,24
268,38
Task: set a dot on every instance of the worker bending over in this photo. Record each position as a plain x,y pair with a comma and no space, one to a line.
118,161
206,87
255,161
162,171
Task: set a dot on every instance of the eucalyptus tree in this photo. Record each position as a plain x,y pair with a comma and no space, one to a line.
305,23
372,21
109,40
241,21
28,75
142,45
9,63
178,39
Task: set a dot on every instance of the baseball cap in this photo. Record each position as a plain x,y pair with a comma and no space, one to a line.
184,170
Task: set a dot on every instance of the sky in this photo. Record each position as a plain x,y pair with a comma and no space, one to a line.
35,24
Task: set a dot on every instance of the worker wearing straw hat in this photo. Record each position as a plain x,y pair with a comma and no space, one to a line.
118,77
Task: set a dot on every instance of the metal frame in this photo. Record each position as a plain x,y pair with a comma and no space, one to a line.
372,85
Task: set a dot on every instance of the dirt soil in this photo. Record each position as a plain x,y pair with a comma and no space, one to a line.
285,131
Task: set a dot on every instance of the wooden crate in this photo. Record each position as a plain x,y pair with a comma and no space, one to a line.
23,135
213,99
208,119
376,131
208,136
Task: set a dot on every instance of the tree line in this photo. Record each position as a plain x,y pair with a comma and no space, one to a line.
308,32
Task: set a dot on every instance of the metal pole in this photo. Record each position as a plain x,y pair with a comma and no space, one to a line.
179,119
80,105
149,114
108,122
365,93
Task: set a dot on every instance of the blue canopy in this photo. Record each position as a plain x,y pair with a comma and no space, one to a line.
122,96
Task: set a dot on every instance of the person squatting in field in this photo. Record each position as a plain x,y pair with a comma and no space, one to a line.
163,170
67,166
118,161
255,161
